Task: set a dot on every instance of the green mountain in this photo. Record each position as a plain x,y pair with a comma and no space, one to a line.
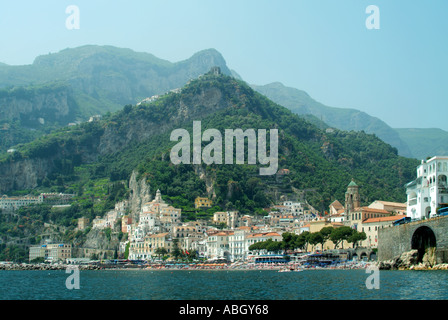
98,160
74,84
301,103
138,138
425,143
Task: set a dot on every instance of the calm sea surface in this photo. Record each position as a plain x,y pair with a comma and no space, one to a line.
223,285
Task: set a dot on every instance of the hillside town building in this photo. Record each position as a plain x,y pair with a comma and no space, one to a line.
201,202
51,252
14,203
429,191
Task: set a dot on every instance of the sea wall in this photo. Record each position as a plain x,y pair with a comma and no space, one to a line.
394,241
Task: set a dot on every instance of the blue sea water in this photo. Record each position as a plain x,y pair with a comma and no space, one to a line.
223,285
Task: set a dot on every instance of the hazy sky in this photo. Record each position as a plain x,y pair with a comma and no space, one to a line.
397,73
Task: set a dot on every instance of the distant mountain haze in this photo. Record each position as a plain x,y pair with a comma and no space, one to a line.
425,143
301,103
76,83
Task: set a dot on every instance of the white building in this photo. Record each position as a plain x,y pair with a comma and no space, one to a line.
14,203
295,208
218,244
237,244
429,190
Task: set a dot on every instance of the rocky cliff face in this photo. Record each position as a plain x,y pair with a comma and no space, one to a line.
410,261
110,138
116,137
140,193
36,107
23,174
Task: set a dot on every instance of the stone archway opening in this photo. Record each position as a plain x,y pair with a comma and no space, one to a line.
422,239
363,256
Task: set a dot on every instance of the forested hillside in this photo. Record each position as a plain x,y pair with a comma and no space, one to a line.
137,137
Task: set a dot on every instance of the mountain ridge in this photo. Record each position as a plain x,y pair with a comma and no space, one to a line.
103,79
138,137
425,142
99,79
301,103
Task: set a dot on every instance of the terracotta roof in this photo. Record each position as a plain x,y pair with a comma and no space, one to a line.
223,233
266,234
397,204
158,235
367,209
384,219
336,204
274,234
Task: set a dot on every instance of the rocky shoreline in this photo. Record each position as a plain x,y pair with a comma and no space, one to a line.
409,261
44,266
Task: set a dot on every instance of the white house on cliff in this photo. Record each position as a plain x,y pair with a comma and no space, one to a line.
429,191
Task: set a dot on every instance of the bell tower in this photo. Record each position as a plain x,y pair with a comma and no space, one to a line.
158,196
352,200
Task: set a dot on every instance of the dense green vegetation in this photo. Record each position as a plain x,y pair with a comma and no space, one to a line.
324,162
292,241
347,119
320,164
88,80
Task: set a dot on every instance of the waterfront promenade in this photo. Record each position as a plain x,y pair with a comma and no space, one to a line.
182,266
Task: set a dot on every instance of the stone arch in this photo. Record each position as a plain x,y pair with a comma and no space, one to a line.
372,256
422,239
362,256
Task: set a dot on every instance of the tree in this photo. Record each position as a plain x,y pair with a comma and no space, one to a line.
38,260
176,253
191,254
302,240
126,251
340,234
271,245
357,237
268,245
257,246
289,241
315,238
160,252
325,232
